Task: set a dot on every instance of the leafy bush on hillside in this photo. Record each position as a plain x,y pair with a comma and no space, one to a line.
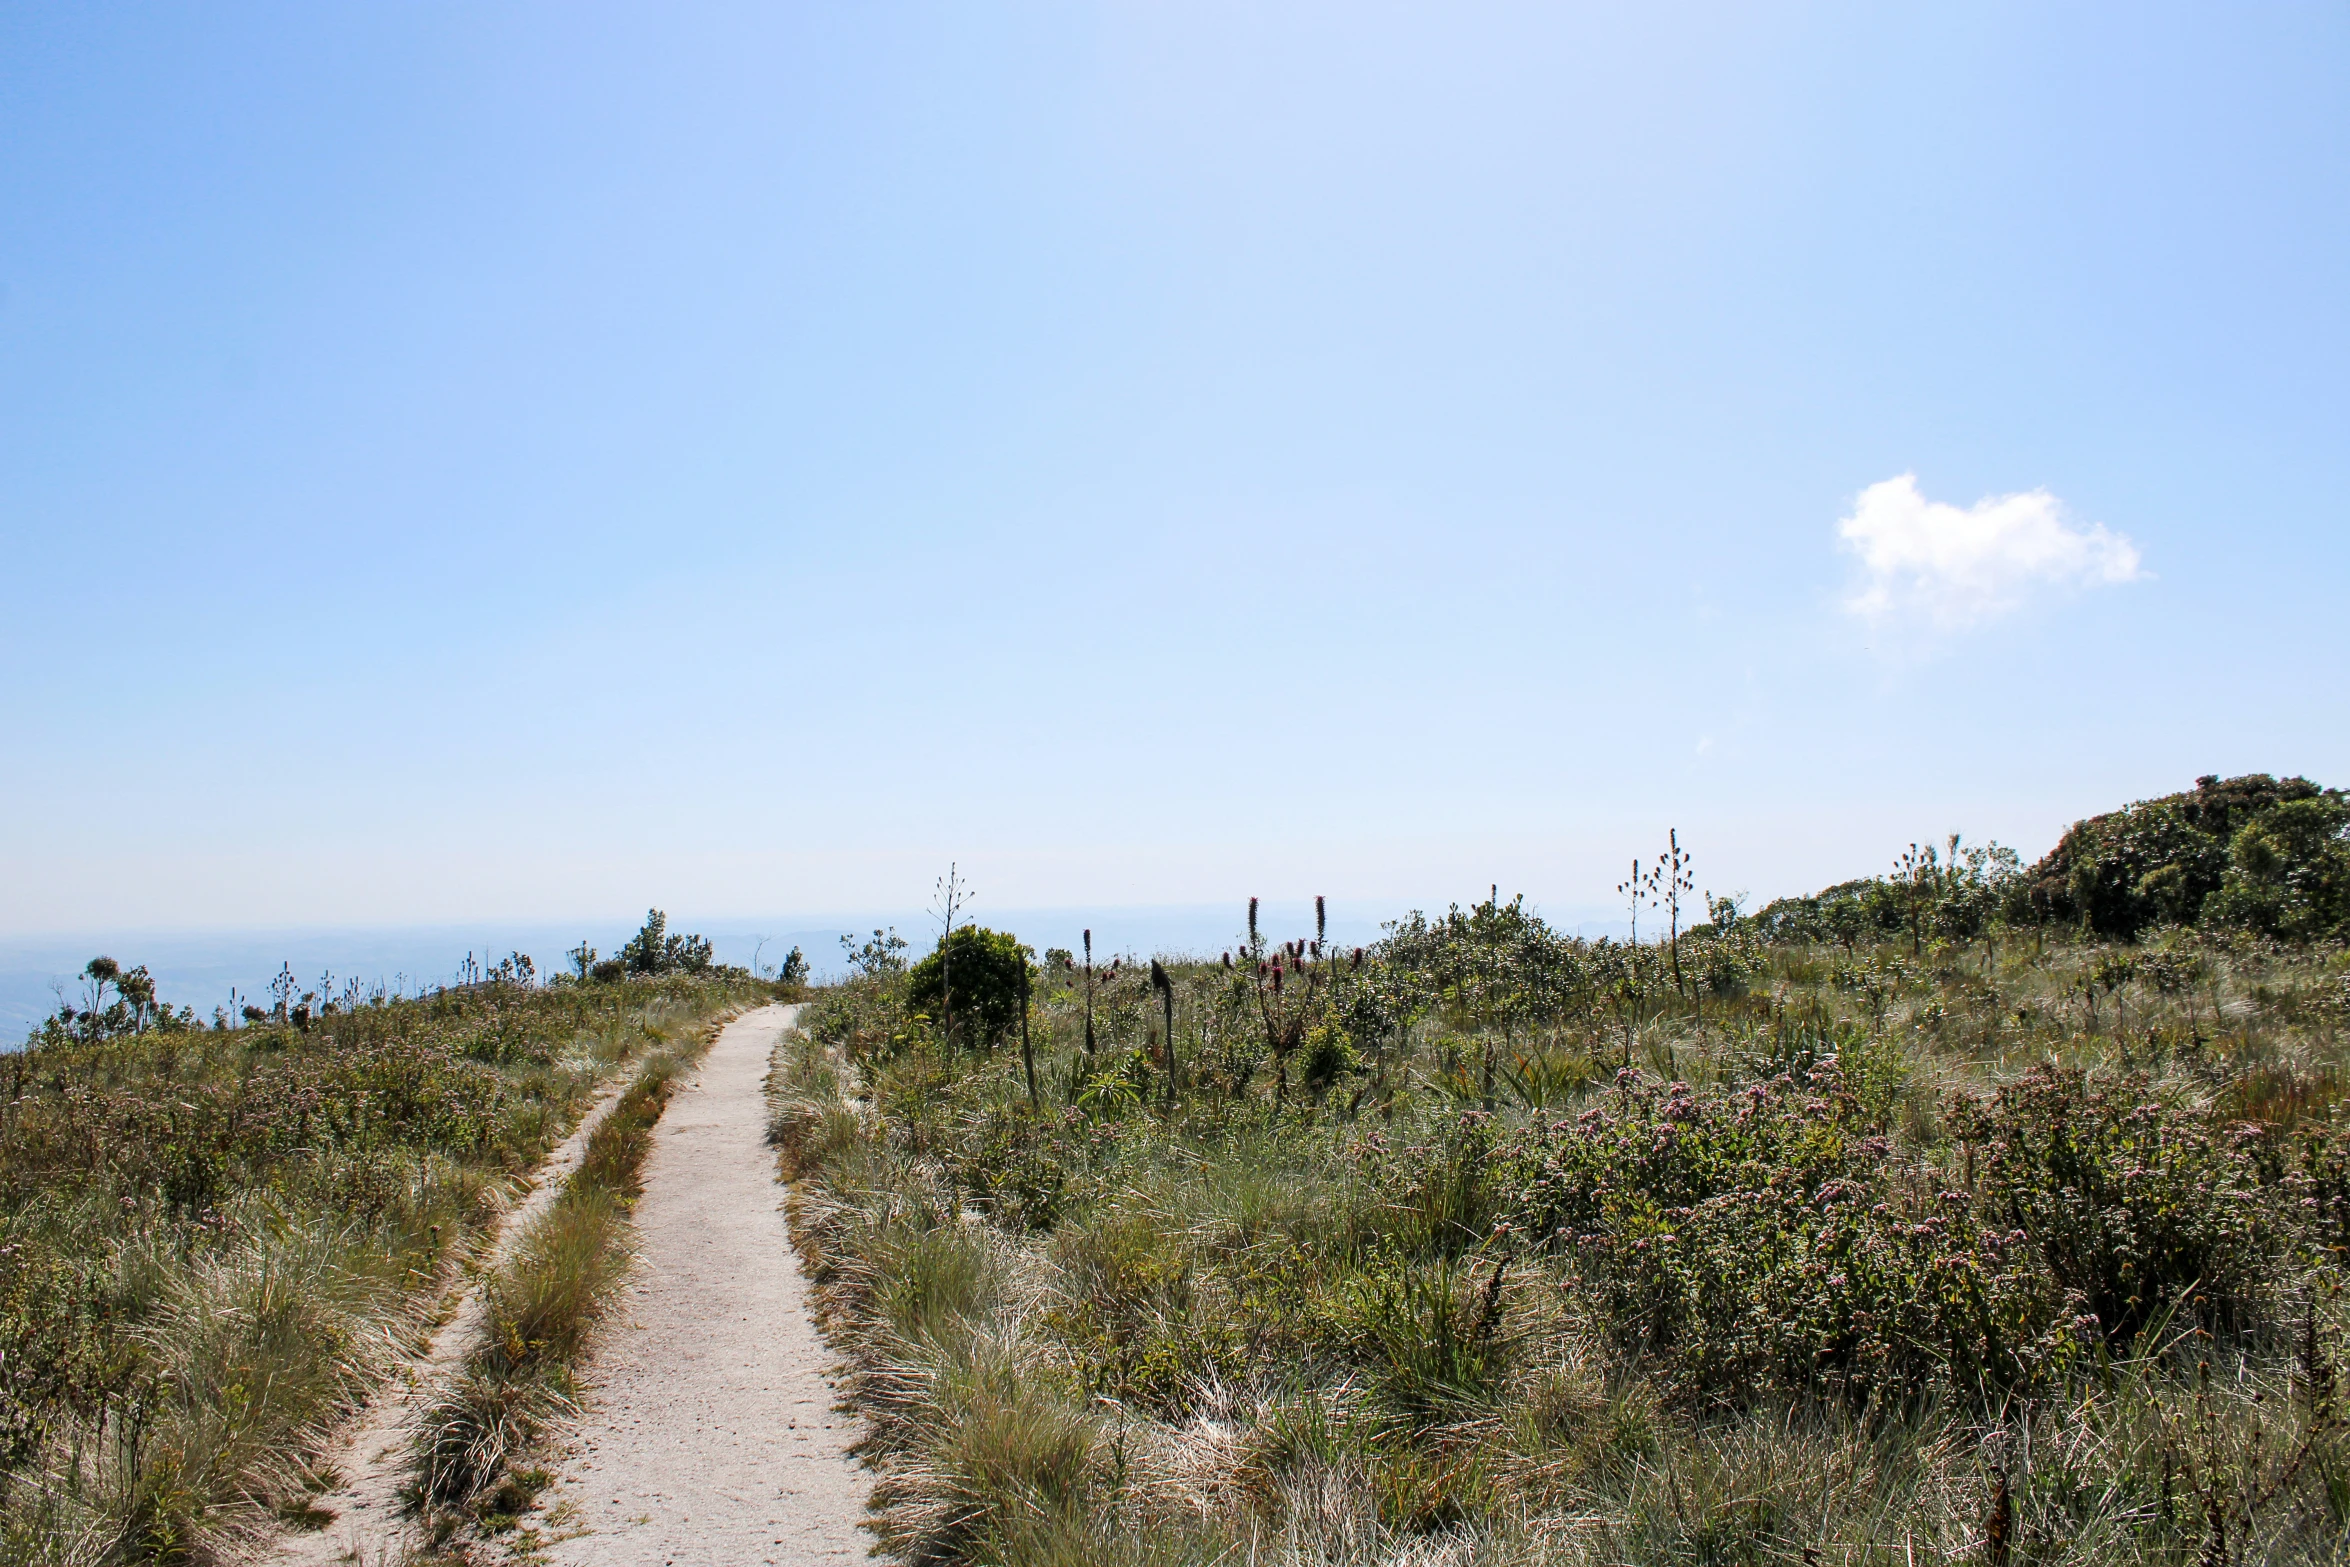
977,977
2162,861
2289,871
1951,891
2249,853
2139,1206
654,951
1761,1239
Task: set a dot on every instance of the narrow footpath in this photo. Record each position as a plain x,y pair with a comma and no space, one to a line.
370,1458
710,1438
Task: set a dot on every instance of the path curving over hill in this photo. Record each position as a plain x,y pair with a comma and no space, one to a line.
710,1438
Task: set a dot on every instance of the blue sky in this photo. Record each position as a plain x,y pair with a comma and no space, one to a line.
473,463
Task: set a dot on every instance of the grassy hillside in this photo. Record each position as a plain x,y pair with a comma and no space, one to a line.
1952,1231
210,1239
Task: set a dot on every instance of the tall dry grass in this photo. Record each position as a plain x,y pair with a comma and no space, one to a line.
213,1244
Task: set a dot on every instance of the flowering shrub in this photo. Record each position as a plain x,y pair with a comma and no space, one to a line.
1766,1235
2133,1202
1763,1237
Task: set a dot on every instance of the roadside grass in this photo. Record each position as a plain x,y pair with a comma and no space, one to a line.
213,1243
2007,1250
542,1305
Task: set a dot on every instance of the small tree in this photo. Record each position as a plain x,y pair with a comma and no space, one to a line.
652,950
991,973
884,954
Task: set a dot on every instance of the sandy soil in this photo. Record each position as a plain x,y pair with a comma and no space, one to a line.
710,1435
368,1525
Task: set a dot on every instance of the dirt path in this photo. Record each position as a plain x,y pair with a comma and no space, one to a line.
369,1525
710,1436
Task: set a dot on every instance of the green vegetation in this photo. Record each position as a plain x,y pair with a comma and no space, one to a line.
652,952
1916,1221
542,1304
212,1239
988,970
2250,854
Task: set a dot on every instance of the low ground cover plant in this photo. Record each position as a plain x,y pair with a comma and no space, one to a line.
212,1239
1965,1234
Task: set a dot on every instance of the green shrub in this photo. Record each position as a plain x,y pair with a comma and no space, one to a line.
2134,1203
2155,861
654,951
1428,1334
1760,1240
977,978
1014,1163
2289,871
2252,852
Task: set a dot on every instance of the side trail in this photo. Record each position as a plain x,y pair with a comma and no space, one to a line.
710,1438
370,1525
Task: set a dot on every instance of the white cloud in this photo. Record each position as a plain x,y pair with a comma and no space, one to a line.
1958,567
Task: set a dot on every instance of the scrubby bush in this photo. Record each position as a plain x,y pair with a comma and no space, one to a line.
1760,1241
654,951
2289,871
118,1003
2252,853
2136,1204
976,977
2161,861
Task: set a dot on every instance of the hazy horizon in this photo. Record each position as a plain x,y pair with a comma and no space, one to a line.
195,968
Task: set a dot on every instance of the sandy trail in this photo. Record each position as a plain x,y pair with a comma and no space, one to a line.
370,1524
710,1435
